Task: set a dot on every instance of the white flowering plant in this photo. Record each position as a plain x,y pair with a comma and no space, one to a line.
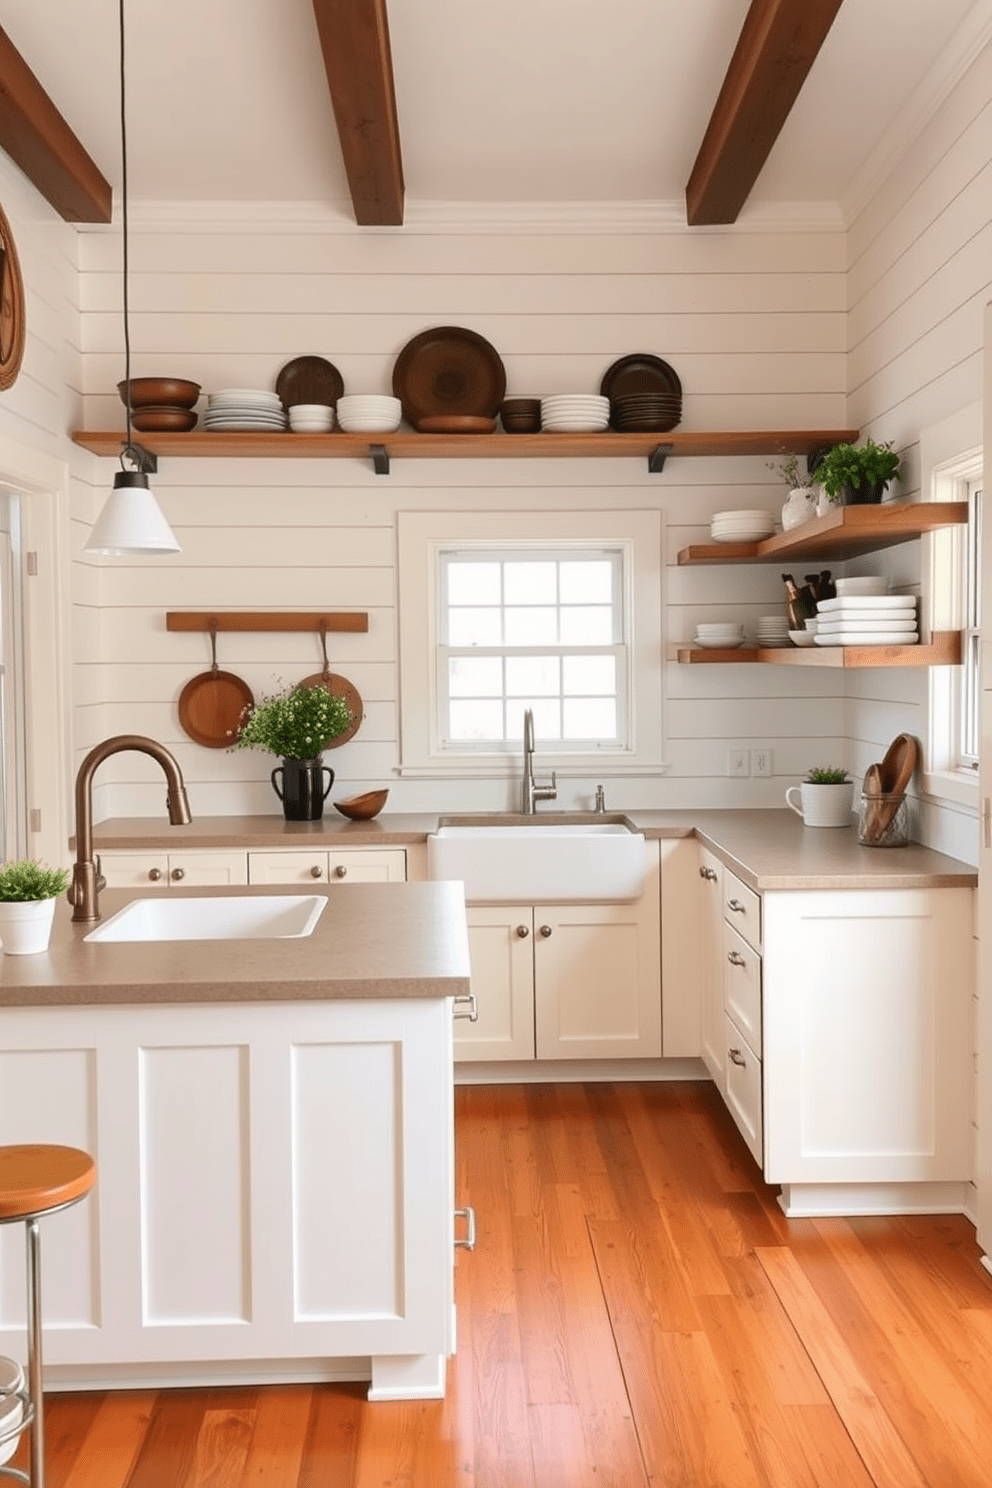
296,723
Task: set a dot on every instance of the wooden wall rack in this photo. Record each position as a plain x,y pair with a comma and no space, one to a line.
245,620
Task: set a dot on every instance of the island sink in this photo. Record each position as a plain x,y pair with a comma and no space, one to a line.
540,861
242,917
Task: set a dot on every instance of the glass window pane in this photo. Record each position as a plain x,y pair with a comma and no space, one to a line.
584,676
473,583
475,676
531,627
530,583
592,625
474,721
586,583
547,718
590,718
539,675
476,627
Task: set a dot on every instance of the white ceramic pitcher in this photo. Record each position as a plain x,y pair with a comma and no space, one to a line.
823,805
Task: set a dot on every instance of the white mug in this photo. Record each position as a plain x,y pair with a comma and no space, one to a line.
823,805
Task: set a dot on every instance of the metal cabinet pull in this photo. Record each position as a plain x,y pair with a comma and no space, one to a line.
708,873
735,958
178,873
545,931
736,1057
523,931
468,1240
471,1007
316,871
340,871
736,907
154,874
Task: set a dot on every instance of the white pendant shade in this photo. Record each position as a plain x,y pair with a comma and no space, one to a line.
131,520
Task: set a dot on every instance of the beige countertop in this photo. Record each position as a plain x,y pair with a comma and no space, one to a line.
768,849
394,940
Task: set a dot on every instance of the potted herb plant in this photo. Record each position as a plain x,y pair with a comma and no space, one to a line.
857,474
826,797
28,892
297,724
803,495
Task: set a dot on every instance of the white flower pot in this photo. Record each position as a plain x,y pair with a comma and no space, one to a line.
800,506
26,928
823,805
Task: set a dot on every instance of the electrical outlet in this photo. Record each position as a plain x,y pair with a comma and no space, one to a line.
761,762
738,762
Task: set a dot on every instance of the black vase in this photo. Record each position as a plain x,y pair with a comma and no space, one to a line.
864,495
302,791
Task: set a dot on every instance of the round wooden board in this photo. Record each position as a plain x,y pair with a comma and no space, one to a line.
211,708
339,686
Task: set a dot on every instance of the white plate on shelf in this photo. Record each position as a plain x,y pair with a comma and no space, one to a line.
867,638
868,602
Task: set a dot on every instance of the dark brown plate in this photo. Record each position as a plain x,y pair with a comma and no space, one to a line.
639,373
158,420
448,370
309,379
339,687
211,708
456,423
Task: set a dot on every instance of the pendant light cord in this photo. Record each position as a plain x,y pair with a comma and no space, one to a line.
124,236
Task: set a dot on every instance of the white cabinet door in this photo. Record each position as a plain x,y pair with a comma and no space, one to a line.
743,1088
368,865
683,951
303,866
501,948
709,917
150,870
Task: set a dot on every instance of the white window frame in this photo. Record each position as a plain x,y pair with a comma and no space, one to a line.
422,536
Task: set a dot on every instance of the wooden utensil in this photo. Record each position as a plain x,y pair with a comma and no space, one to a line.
894,774
871,788
212,704
337,686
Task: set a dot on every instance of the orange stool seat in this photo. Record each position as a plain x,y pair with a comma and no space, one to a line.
37,1179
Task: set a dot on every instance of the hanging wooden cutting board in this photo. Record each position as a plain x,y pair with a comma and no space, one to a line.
212,705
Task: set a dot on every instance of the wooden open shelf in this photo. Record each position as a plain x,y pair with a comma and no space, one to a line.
846,532
944,649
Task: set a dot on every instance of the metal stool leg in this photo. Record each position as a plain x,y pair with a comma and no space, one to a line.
33,1256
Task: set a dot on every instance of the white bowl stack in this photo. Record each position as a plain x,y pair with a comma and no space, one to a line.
311,418
741,526
720,636
772,630
575,413
11,1405
369,413
861,619
245,409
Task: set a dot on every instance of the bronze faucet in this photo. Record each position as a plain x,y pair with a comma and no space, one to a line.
87,880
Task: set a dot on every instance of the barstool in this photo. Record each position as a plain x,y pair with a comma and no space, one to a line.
37,1180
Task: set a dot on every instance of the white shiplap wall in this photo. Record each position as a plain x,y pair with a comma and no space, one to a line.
753,321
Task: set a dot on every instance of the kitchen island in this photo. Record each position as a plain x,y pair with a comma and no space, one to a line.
273,1131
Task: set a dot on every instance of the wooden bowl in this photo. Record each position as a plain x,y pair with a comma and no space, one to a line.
173,392
363,808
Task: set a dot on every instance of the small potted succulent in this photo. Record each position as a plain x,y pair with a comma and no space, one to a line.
826,797
297,724
801,502
28,891
856,475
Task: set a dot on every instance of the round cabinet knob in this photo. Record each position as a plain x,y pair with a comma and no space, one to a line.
154,874
735,906
736,1057
316,871
709,874
178,873
523,931
545,931
340,871
735,958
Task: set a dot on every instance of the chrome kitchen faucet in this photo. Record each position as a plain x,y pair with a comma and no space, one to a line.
533,792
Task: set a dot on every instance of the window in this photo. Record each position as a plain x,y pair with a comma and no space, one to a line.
556,612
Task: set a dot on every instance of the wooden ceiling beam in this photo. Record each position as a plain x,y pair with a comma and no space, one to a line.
38,139
778,45
354,38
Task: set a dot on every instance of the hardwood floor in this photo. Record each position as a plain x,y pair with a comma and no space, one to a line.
637,1311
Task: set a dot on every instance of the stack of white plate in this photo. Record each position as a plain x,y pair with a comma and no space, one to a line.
244,409
720,636
772,630
369,413
575,413
741,526
11,1404
867,620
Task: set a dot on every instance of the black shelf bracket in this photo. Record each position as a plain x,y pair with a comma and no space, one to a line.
380,459
657,458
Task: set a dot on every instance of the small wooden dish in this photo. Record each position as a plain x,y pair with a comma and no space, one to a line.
362,808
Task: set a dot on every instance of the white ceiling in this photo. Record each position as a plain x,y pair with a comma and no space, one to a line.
538,101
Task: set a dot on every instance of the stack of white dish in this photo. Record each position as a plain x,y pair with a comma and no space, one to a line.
741,526
369,413
244,409
867,620
11,1404
720,636
575,413
772,630
311,418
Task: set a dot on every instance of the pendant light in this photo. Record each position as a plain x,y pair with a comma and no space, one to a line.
131,520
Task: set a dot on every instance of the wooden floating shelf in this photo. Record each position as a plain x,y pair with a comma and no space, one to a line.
266,620
845,532
408,445
944,649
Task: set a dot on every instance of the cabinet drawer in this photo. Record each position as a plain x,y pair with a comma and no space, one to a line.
742,908
743,1071
742,985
